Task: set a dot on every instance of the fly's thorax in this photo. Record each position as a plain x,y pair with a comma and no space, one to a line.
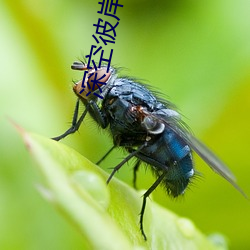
95,81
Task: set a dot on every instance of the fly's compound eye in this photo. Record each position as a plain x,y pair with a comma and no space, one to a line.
152,125
97,78
93,79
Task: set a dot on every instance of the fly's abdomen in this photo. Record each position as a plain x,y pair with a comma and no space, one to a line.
168,154
180,166
178,176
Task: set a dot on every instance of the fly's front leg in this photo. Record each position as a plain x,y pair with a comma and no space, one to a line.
97,114
75,124
92,108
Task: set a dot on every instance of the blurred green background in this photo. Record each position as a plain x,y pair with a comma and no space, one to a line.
195,52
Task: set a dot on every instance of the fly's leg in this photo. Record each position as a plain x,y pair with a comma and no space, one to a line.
90,107
105,155
124,161
75,124
135,169
97,114
145,196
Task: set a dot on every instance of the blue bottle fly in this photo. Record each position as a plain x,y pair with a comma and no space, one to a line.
148,127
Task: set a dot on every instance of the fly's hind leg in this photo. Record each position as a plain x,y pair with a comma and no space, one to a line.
145,196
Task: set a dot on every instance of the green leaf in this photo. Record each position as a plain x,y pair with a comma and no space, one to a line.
106,215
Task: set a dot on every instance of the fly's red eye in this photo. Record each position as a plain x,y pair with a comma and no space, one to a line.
98,77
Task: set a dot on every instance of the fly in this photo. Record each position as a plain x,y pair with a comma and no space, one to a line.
149,128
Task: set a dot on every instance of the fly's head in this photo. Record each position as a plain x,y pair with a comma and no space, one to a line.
94,83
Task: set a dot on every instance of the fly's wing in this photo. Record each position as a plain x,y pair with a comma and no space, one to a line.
175,124
212,160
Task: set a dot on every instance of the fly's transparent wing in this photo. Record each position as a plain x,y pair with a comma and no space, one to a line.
175,124
210,158
207,155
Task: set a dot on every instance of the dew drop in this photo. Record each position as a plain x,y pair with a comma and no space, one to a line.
187,227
